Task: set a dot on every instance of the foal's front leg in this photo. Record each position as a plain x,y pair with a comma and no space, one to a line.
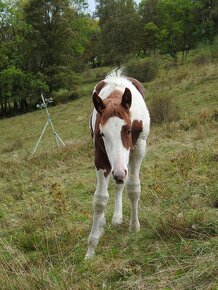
133,182
118,212
99,203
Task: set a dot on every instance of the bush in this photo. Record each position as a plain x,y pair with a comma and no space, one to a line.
204,57
207,53
64,83
144,70
64,95
214,49
163,109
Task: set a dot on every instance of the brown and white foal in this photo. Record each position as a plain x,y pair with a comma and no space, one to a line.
120,126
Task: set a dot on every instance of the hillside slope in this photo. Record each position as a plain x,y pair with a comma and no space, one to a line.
46,200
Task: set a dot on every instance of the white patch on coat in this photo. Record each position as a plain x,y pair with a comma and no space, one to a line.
117,154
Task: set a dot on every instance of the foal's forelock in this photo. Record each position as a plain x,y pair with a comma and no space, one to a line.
114,108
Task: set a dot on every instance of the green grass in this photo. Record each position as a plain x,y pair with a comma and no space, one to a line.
46,200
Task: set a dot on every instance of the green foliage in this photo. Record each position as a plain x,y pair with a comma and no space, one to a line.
145,70
51,38
20,89
149,25
62,78
45,45
152,36
41,47
11,82
63,95
92,47
118,21
179,26
176,26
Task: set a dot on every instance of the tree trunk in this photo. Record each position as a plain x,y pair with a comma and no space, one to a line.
23,105
15,106
2,108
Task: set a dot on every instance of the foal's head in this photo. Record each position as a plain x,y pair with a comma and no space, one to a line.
113,128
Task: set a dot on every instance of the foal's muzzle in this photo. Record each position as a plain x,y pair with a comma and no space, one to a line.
119,176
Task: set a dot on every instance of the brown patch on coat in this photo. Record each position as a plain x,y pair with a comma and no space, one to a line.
126,136
90,126
138,85
101,158
100,86
137,127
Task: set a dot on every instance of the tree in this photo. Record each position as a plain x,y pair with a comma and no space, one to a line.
51,42
37,46
19,90
118,21
51,34
11,58
208,15
11,27
92,42
179,26
152,37
149,24
171,26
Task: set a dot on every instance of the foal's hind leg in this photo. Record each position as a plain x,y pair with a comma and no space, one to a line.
99,203
133,182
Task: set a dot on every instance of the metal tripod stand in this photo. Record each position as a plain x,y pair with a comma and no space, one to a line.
44,105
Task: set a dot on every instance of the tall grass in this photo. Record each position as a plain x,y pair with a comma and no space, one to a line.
46,200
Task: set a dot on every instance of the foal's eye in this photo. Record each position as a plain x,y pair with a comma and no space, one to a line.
129,131
100,135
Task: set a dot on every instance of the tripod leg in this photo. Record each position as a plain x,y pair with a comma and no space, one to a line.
37,144
58,139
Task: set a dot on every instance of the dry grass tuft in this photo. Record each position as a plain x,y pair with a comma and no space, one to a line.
163,108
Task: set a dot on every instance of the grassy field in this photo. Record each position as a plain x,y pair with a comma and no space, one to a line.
46,200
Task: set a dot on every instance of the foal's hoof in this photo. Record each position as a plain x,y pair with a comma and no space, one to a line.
90,254
134,227
117,220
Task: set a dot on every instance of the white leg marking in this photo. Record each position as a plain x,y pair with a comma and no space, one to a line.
118,212
133,183
99,203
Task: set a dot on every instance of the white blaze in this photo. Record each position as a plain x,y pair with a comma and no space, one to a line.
117,154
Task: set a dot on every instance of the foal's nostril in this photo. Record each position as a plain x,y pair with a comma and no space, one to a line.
119,175
118,180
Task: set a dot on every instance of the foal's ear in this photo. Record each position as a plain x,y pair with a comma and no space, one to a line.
126,99
98,103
